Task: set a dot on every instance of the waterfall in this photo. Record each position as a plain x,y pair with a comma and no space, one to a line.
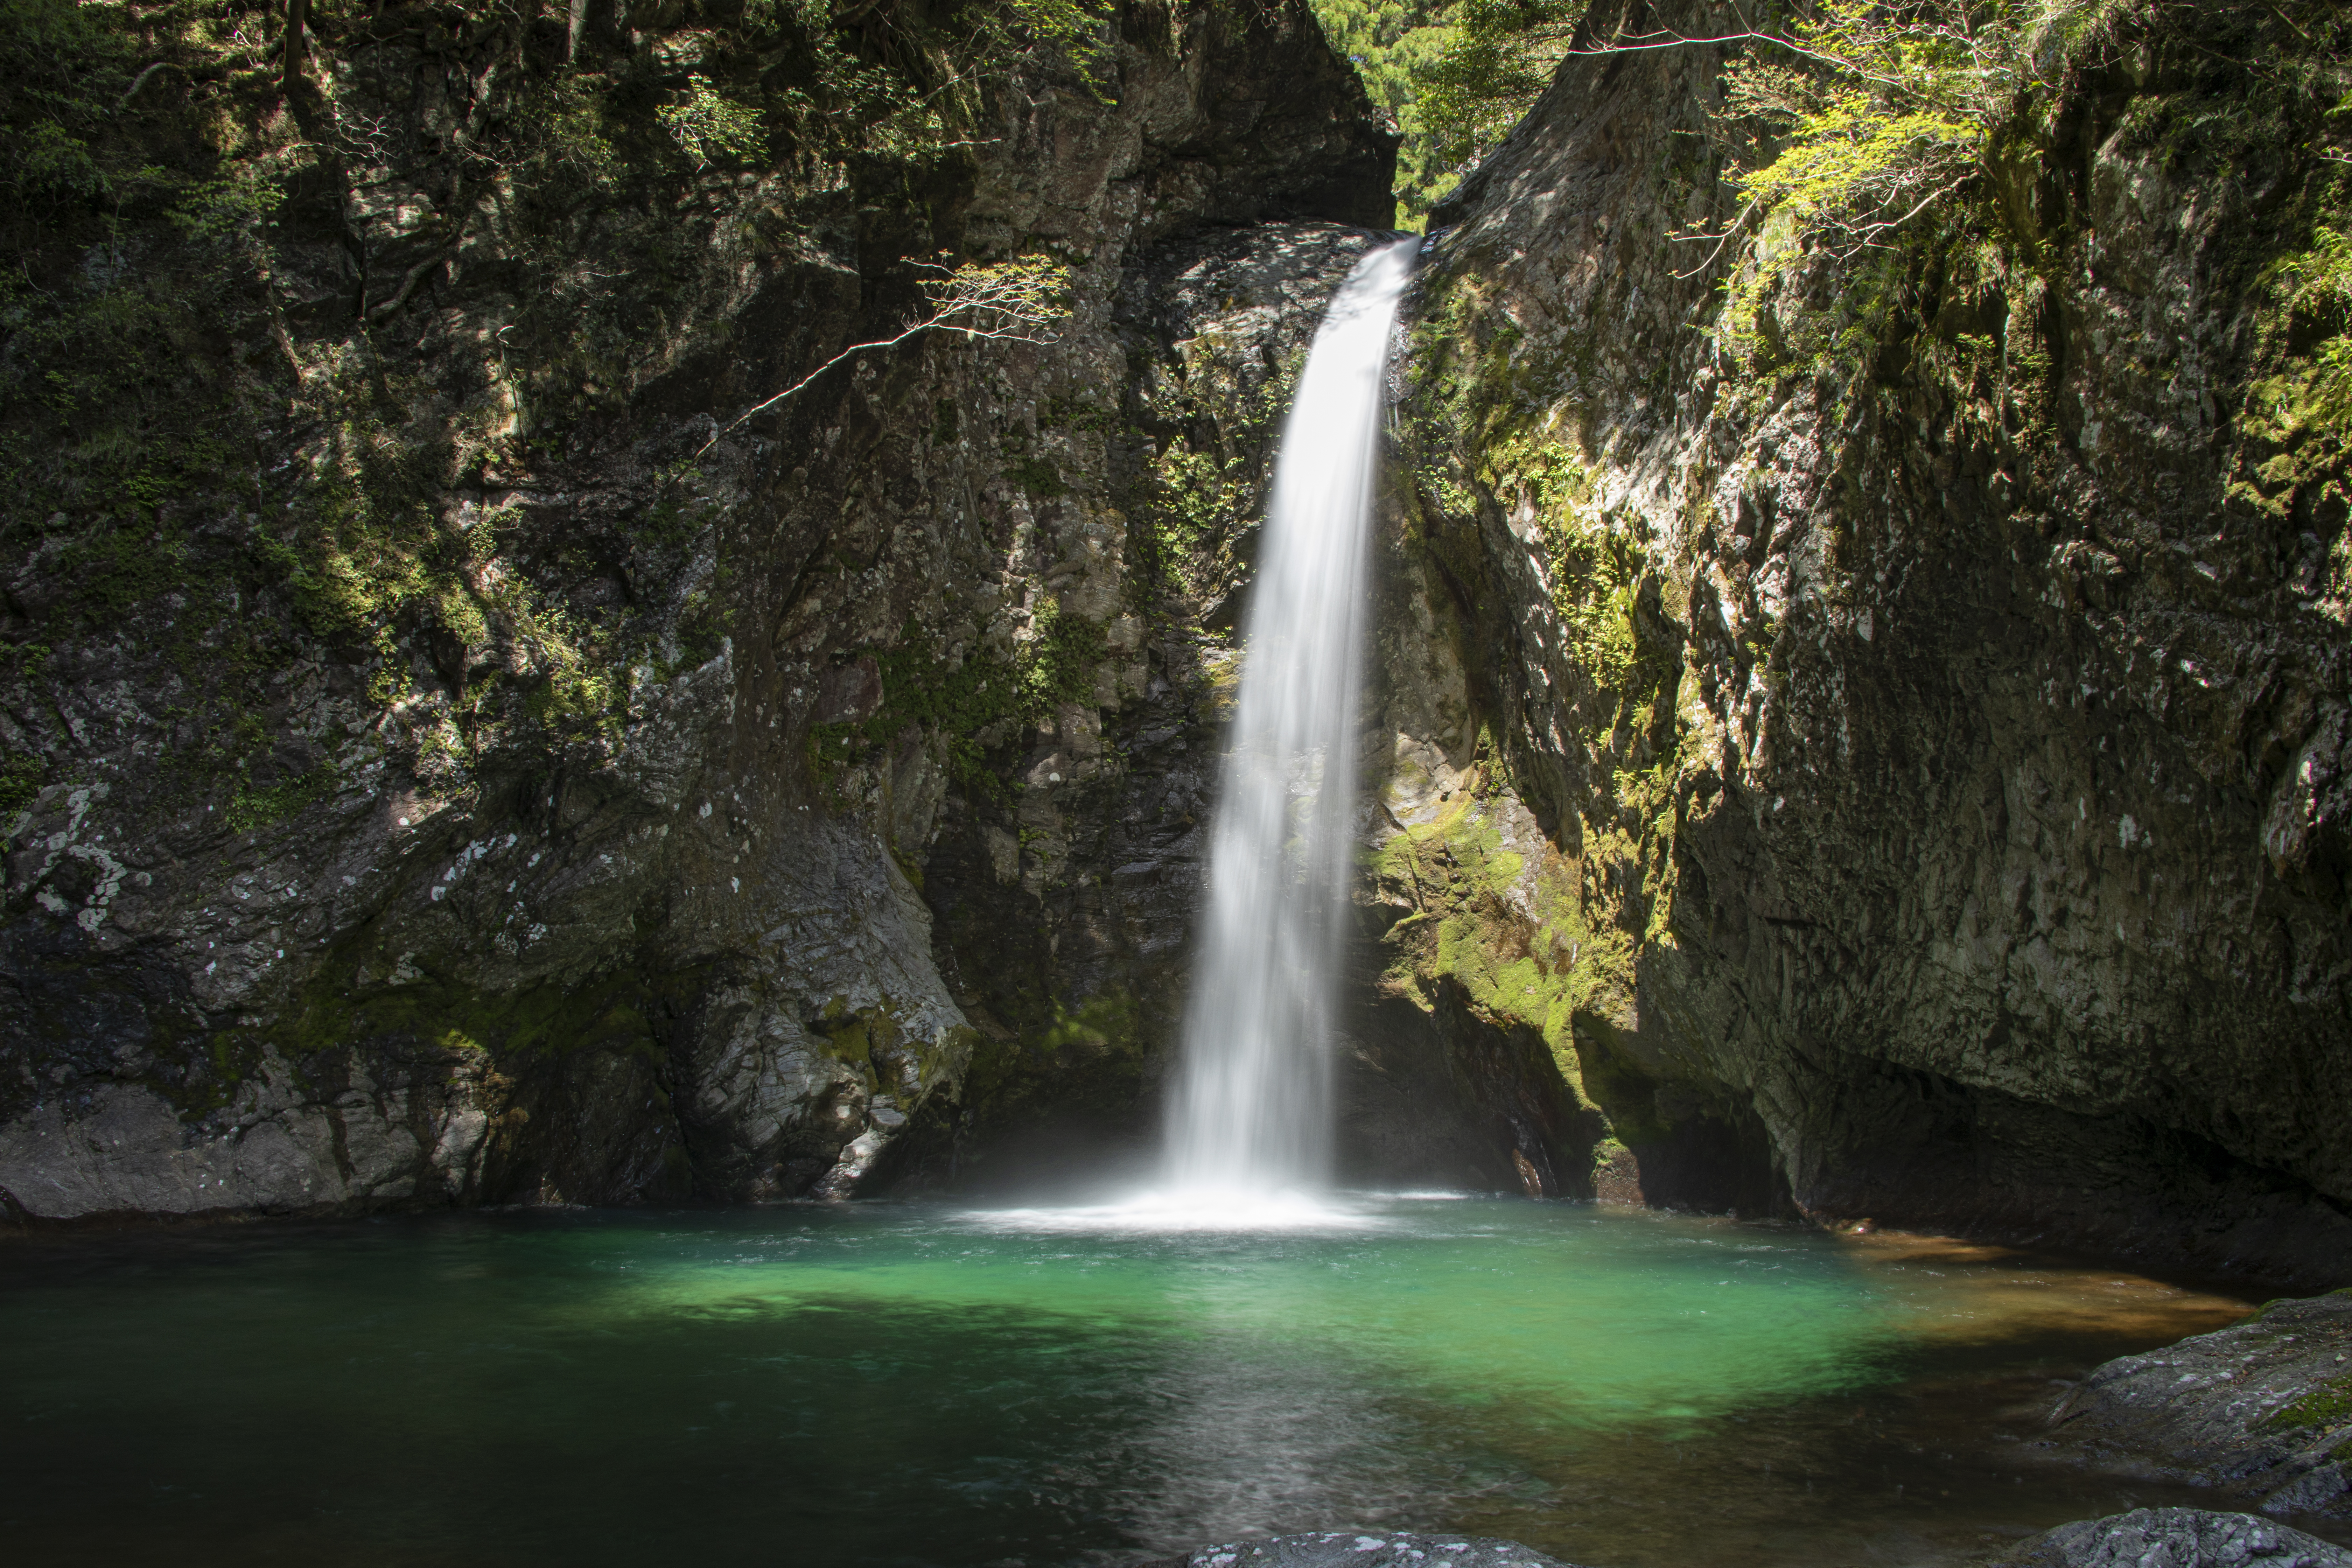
1250,1114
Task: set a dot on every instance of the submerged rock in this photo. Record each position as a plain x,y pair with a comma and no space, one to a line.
2263,1407
1383,1549
2175,1538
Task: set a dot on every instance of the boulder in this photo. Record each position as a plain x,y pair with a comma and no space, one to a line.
2175,1538
2263,1407
1373,1548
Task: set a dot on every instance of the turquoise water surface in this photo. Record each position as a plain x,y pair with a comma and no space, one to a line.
921,1384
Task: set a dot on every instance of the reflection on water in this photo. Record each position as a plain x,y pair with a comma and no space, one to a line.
912,1385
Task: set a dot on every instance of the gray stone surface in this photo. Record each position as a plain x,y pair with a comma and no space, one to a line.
1373,1548
672,953
1962,799
1067,911
2176,1537
1954,838
2263,1408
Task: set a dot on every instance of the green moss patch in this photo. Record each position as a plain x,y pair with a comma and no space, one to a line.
1110,1023
958,700
2322,1409
612,1012
867,1039
253,808
1503,925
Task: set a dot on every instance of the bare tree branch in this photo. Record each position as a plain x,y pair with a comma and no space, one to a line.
1020,301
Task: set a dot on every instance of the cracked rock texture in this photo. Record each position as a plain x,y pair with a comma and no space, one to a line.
1935,761
594,870
2175,1538
1890,769
1065,912
2263,1408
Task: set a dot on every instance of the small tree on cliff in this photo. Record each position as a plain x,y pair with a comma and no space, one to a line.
1024,301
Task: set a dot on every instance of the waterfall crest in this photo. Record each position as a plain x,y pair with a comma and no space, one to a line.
1250,1114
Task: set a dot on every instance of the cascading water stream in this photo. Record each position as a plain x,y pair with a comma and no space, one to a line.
1251,1115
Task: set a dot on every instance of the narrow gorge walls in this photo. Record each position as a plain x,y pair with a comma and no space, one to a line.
1851,736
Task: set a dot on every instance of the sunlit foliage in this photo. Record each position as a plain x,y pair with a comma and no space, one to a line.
1880,111
1454,75
1500,57
1392,44
2319,297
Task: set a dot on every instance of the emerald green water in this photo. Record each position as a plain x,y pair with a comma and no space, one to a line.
920,1384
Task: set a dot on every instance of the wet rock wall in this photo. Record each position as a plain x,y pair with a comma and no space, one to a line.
508,794
1935,753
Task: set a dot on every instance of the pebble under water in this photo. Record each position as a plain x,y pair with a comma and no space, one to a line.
916,1383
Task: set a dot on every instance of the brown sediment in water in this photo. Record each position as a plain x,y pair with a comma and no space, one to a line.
1944,1467
2014,1289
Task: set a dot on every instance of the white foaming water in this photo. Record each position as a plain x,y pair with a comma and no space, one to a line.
1188,1213
1249,1128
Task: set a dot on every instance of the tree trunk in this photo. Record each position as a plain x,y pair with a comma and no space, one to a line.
297,13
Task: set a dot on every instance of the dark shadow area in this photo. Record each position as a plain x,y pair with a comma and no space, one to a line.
1446,1099
1679,1145
1911,1149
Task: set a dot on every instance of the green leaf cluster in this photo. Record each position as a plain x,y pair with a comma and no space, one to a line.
1500,57
1394,44
910,85
1454,75
1874,111
2317,284
711,127
1865,120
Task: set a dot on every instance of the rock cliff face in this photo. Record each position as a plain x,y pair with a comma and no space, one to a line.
1937,726
1887,770
464,781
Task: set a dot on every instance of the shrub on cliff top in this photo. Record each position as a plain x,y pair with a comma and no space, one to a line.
1868,119
1501,55
1864,117
1454,75
1393,45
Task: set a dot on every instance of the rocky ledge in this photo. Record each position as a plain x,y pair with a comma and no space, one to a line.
2175,1538
1382,1549
2263,1408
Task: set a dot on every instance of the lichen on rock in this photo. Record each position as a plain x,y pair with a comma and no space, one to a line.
2262,1409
